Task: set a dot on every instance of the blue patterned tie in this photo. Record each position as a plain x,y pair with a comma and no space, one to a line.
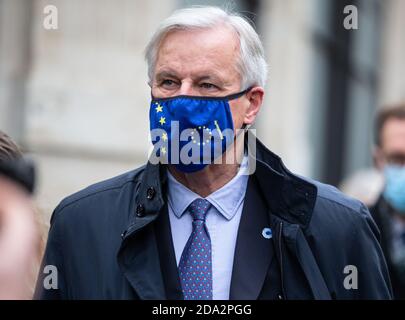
195,267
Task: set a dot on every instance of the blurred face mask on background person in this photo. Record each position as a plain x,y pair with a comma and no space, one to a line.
394,191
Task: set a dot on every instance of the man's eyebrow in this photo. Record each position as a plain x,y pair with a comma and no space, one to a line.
172,74
166,74
209,77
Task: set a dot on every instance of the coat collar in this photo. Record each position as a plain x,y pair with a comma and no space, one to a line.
288,196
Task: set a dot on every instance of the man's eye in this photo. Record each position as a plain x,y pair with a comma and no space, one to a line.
167,83
206,85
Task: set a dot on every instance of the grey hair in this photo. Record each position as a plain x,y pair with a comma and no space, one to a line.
252,65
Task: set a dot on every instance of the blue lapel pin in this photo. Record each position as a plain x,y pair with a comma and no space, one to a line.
267,233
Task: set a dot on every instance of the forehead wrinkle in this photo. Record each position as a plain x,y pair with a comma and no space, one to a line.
205,52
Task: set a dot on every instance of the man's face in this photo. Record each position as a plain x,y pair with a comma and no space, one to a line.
392,149
202,63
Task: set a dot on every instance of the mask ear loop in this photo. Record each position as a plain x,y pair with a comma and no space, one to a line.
243,129
246,127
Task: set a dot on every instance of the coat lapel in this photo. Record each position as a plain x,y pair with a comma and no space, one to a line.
253,252
167,257
298,246
139,262
138,256
148,260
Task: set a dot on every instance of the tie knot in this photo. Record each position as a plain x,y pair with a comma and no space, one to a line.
199,208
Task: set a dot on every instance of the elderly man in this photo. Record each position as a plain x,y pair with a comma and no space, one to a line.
190,225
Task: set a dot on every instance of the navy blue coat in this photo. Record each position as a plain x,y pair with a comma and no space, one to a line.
112,240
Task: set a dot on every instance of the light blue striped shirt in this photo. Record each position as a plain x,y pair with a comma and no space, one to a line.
222,222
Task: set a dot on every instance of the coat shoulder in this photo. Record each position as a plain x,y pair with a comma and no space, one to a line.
334,208
330,195
345,224
89,196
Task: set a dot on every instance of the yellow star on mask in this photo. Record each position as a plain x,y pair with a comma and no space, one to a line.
164,136
163,149
162,120
159,108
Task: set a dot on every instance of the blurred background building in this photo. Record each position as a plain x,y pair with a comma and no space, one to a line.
76,97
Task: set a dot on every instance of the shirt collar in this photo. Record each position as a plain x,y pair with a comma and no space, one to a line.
226,200
179,196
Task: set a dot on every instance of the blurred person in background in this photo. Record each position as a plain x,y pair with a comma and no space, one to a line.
20,243
389,211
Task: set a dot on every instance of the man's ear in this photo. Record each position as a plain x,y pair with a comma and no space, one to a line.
255,98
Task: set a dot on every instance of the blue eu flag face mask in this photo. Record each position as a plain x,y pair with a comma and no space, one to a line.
190,132
394,191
